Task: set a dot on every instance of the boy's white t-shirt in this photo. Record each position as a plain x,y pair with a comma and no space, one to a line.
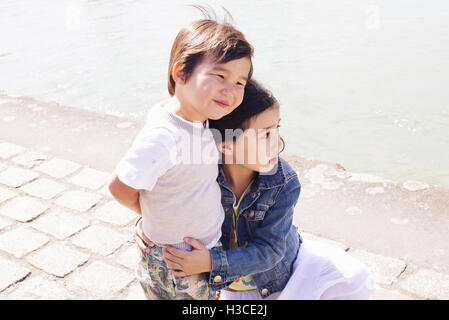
173,164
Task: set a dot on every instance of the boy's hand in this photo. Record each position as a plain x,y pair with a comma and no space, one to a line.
187,263
141,239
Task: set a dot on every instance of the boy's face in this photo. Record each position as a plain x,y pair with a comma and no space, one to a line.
214,90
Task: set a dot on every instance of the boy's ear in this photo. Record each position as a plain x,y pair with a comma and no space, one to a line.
178,74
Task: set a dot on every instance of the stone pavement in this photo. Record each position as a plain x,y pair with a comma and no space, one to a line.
62,236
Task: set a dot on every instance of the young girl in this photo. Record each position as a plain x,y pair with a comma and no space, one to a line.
263,255
172,185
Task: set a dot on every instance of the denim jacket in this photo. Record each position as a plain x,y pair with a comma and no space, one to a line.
268,241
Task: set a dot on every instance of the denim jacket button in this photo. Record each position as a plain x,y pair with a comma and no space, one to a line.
253,195
217,279
264,291
251,214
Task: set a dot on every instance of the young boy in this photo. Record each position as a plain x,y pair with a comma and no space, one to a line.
158,177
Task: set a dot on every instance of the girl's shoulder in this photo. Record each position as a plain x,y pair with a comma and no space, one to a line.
287,170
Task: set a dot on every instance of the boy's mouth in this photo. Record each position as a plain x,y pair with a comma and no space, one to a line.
221,103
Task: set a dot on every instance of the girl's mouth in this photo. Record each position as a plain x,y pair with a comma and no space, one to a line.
274,160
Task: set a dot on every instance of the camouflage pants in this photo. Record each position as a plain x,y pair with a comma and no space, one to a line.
159,284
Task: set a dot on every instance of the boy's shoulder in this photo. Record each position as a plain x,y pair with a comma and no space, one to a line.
157,130
157,116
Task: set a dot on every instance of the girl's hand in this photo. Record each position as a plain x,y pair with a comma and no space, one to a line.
187,263
141,239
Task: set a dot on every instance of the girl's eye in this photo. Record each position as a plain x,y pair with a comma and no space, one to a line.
220,76
268,132
240,84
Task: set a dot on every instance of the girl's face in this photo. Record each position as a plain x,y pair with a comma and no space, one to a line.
258,147
215,89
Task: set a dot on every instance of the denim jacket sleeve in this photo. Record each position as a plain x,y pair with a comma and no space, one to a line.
268,245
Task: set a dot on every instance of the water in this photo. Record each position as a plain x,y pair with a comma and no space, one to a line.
361,83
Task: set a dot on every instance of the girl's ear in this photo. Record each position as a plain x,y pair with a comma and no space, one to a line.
178,74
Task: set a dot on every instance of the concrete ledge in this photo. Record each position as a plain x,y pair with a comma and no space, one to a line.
49,151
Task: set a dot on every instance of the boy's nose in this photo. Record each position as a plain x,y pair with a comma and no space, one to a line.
227,90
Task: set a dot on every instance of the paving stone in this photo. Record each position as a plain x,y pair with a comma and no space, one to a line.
58,168
427,284
128,257
105,191
384,294
11,272
78,200
98,281
57,259
15,177
60,224
135,292
6,194
29,159
308,236
43,188
99,239
4,222
7,150
21,241
90,178
115,213
385,270
23,208
41,287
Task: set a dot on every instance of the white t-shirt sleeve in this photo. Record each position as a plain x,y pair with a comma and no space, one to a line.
152,153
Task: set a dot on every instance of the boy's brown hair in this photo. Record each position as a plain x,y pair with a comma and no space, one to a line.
206,38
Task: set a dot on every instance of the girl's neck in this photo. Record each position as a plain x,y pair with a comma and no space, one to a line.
184,111
238,178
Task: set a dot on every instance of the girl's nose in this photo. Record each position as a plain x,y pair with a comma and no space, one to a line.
279,145
282,144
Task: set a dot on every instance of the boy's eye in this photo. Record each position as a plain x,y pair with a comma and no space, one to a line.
220,76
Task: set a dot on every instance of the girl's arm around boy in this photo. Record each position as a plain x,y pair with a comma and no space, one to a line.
266,249
268,245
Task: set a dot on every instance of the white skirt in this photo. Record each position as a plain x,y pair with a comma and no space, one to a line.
321,271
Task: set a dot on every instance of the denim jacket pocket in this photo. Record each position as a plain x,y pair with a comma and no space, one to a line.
257,213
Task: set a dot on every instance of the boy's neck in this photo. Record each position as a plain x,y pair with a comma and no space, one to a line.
184,111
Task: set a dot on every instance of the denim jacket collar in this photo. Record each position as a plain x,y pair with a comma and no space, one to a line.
267,180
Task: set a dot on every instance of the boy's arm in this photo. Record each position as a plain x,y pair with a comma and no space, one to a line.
152,153
124,194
